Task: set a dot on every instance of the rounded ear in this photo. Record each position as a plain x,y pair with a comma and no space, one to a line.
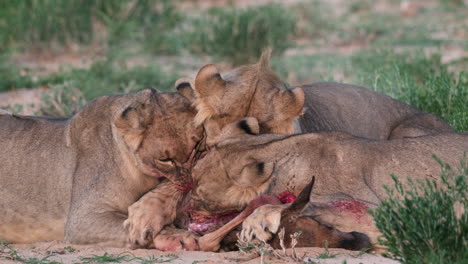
246,126
209,82
255,174
290,103
134,118
184,88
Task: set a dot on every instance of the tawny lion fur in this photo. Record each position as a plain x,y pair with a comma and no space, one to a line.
243,165
74,179
256,91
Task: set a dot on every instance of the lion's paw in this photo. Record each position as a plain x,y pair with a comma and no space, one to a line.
262,223
142,225
171,239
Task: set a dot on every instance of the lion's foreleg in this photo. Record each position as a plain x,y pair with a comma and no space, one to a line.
149,215
90,227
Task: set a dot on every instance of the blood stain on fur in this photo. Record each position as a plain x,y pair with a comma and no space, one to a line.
351,206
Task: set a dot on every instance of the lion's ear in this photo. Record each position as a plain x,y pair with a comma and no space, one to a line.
135,118
290,103
255,174
209,82
246,126
185,88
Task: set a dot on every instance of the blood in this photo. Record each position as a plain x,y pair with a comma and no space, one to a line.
202,225
184,187
286,197
352,206
202,222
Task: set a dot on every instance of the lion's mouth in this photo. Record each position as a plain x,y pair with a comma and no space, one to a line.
204,222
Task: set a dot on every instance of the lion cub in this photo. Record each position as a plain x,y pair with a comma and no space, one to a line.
243,165
75,178
256,91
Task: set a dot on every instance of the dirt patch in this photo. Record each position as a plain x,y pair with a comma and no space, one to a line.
45,62
22,101
57,251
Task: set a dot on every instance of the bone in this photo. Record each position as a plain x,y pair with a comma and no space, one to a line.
211,241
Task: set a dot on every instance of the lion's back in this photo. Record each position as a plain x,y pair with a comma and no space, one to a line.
364,113
35,188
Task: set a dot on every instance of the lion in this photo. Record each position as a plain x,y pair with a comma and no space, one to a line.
350,173
256,91
73,179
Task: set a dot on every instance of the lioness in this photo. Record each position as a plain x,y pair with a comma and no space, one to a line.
74,178
243,165
256,91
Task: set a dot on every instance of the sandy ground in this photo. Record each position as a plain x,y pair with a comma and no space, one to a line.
60,252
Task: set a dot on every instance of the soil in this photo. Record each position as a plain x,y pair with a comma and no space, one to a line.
60,252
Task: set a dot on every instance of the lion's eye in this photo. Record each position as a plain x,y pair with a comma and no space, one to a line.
167,162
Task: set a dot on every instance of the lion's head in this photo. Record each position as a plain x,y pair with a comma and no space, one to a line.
243,164
160,132
233,172
248,91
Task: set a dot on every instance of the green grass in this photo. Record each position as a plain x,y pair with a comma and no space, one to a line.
161,259
240,35
148,24
237,35
361,23
62,100
9,253
44,260
126,257
74,88
452,3
145,25
326,254
70,90
40,23
105,77
11,77
419,80
69,249
106,258
427,222
317,19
